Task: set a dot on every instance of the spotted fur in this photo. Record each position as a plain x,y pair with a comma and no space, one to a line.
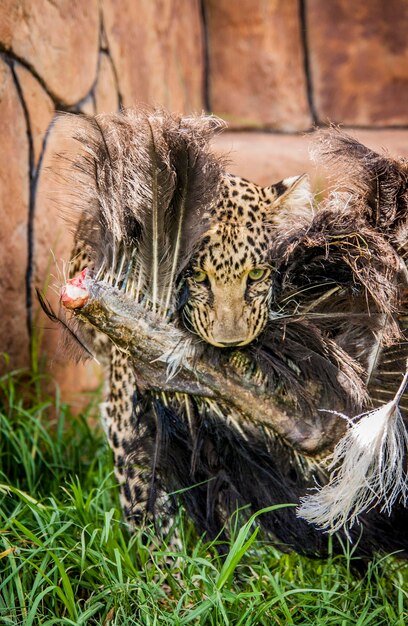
229,282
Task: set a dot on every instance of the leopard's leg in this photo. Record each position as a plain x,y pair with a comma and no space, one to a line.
119,418
133,451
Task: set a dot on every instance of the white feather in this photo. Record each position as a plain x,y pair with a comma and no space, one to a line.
368,469
175,358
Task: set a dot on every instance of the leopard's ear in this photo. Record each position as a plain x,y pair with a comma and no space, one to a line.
290,197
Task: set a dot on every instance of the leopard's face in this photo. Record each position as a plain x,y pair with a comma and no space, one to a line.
229,280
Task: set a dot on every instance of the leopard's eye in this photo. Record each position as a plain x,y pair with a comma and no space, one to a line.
199,276
257,273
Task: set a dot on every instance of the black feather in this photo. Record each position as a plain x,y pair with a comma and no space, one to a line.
69,332
151,181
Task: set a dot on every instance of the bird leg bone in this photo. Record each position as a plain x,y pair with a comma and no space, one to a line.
147,340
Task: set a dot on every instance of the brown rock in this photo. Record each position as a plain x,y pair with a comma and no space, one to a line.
359,61
393,141
58,39
88,105
265,158
106,95
256,64
157,51
39,106
14,189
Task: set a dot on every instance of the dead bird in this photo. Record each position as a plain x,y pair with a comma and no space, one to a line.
239,325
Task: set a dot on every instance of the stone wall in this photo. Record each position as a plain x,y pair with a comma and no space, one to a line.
278,66
290,64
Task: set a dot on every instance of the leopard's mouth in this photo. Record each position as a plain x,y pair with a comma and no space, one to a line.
228,340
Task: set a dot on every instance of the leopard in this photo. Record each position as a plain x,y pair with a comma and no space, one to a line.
229,284
243,276
225,303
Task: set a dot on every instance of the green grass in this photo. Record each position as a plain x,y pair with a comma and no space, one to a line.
66,556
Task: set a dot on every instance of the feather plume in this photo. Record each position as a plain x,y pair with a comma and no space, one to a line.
377,183
367,469
74,346
156,191
147,179
198,177
301,362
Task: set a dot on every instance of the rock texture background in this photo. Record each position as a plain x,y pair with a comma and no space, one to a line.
272,68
